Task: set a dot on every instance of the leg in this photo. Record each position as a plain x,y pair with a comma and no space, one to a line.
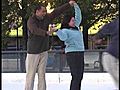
76,64
31,66
111,65
42,70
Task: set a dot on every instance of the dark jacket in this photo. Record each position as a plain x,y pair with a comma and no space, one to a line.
111,29
38,40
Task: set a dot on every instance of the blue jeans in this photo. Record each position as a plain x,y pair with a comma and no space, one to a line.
75,61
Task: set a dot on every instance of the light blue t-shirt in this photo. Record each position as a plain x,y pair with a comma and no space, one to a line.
72,38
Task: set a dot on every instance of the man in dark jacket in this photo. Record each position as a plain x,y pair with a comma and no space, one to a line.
38,44
110,58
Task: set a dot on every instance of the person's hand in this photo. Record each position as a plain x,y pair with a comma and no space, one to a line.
49,32
71,2
98,41
53,29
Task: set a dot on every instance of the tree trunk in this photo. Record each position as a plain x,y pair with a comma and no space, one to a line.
25,36
85,36
24,20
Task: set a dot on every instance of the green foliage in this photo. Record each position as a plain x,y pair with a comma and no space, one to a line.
92,12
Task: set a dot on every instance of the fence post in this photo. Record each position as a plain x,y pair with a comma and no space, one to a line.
100,59
22,62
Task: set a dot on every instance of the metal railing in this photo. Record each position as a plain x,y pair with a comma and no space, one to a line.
14,61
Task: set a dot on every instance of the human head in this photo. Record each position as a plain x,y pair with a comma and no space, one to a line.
67,18
40,11
72,22
68,21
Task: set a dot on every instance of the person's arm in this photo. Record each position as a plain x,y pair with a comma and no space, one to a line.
62,34
97,38
62,9
107,29
34,29
78,15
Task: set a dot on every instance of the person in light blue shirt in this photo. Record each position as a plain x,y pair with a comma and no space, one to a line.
72,36
70,32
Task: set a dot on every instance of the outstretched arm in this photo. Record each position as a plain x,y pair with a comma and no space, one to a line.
62,35
62,9
78,15
108,29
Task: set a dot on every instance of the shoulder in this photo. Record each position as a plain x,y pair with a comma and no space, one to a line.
65,30
31,18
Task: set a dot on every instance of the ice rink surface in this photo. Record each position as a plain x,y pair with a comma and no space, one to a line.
60,81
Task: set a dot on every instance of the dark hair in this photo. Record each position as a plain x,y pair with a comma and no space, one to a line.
67,17
38,7
72,0
66,20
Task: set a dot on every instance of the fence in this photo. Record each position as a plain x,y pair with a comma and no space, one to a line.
14,61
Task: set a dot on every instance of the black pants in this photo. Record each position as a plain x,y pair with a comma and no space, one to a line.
75,61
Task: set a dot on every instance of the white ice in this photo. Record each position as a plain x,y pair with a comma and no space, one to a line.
60,81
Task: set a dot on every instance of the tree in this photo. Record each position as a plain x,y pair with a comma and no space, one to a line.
97,10
92,11
10,16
